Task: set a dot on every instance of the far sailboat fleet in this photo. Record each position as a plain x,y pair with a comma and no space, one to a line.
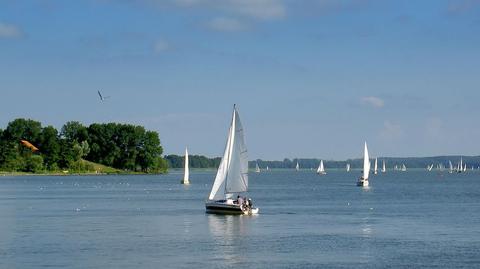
229,191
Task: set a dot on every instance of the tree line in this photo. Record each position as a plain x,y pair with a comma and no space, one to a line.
28,147
198,161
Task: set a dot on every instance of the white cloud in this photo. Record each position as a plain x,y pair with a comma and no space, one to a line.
372,101
224,24
259,9
10,31
161,46
391,131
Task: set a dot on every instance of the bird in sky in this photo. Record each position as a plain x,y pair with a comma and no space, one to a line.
102,98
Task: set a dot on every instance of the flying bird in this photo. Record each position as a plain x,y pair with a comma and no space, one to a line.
102,98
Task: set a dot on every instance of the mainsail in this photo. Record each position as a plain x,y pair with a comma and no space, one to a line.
186,174
366,163
232,174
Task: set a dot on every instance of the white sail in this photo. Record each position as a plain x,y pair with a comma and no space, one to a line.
186,173
268,168
375,170
404,168
321,168
465,168
383,167
232,174
366,163
297,167
257,168
348,167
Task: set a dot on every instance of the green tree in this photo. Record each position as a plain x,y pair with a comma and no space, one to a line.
50,147
74,131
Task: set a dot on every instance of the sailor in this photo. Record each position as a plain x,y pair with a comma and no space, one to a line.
240,200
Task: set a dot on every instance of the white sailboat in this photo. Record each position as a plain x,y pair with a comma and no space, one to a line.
384,169
450,169
186,174
348,167
363,180
404,168
297,167
465,167
430,167
321,169
375,170
231,180
257,168
268,168
460,166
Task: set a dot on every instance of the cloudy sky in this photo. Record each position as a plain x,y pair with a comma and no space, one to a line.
312,78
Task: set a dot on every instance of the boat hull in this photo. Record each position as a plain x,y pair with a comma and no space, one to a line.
362,182
225,208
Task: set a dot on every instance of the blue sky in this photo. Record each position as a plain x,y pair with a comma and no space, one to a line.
312,78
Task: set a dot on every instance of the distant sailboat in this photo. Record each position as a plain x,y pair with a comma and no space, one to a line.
375,170
186,173
321,169
384,169
257,168
465,168
460,166
404,168
267,168
348,167
297,167
363,180
450,169
430,167
232,176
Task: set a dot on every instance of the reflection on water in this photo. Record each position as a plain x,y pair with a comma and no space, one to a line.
229,234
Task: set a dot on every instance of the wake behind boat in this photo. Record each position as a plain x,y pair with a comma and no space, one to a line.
231,181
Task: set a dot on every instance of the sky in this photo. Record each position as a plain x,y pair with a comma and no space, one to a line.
311,78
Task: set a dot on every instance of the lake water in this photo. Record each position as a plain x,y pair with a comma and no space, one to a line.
412,219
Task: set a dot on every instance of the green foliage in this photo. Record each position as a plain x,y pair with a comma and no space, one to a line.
122,146
195,161
34,163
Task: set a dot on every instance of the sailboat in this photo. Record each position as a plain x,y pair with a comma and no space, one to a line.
460,166
363,180
268,168
297,167
404,168
186,174
257,168
321,169
348,167
231,180
450,170
430,167
375,170
384,169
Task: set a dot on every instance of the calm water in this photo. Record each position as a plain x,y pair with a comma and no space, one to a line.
413,219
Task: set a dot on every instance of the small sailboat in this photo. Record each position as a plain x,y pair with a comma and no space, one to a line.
257,168
186,173
321,169
267,168
404,168
231,180
460,166
384,169
465,168
348,167
375,170
297,167
363,180
430,167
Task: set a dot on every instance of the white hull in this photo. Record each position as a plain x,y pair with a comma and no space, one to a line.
322,173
